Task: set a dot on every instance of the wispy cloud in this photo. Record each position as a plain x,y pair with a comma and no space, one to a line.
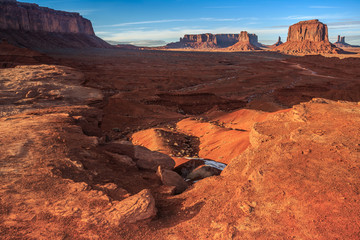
146,22
83,12
307,17
141,43
209,19
323,7
347,23
225,19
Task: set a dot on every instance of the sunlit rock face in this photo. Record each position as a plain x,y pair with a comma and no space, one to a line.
312,30
308,37
32,26
31,17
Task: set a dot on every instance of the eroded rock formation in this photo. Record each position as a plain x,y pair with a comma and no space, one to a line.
242,41
278,43
30,25
341,42
308,37
206,40
247,41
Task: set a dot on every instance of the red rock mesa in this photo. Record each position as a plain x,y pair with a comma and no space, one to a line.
308,37
32,26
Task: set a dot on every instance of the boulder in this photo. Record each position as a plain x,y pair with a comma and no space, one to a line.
132,209
143,157
113,191
203,172
187,167
122,159
171,178
147,159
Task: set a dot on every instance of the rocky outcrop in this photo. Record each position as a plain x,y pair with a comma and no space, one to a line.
226,40
341,42
308,37
203,172
278,43
33,26
206,40
171,178
242,41
132,209
299,183
31,17
312,30
147,159
143,157
247,42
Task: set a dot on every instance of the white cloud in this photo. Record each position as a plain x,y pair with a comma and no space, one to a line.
309,17
209,19
146,22
83,12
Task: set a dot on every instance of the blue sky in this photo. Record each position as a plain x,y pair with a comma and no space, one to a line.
156,22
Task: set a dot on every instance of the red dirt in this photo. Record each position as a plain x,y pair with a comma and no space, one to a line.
297,178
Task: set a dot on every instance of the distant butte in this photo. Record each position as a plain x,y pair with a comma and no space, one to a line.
247,42
278,43
308,37
206,40
234,42
341,42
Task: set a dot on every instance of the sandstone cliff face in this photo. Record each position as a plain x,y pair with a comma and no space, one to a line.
207,37
312,30
239,42
207,40
225,40
247,42
31,17
308,37
33,26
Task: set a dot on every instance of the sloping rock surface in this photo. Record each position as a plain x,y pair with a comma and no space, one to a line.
299,179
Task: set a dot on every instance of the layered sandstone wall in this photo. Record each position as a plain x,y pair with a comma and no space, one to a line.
308,37
208,40
30,17
247,42
312,30
207,37
31,26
